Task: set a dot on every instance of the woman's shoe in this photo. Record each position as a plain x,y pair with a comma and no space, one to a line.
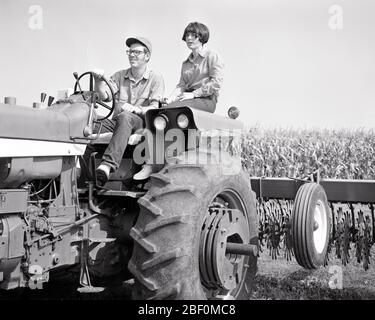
144,173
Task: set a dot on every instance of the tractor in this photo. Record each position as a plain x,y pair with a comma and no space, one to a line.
189,232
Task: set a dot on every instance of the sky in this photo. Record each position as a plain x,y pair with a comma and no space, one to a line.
288,63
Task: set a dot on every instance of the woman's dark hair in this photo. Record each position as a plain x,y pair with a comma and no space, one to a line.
199,29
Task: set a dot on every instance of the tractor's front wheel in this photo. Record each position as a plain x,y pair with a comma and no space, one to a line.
190,220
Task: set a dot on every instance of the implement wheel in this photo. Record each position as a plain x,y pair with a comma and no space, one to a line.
187,218
310,226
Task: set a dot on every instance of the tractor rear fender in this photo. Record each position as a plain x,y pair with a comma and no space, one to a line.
209,121
200,120
201,124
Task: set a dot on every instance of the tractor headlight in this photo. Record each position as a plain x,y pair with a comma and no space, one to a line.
160,122
183,121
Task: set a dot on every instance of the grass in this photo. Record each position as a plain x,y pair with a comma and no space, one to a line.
286,280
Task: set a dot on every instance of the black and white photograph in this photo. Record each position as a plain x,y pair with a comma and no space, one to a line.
193,150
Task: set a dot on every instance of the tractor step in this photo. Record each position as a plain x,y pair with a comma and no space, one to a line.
119,193
114,193
90,289
102,240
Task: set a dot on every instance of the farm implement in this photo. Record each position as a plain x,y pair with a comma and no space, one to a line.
189,232
351,215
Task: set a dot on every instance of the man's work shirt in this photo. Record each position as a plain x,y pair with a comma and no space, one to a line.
202,75
143,93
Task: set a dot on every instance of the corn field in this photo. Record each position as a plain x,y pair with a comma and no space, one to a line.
337,154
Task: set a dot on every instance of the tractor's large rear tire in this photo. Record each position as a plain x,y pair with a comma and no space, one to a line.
175,216
310,226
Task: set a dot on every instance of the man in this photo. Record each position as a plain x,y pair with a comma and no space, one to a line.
137,89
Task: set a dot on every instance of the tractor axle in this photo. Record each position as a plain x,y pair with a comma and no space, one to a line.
242,248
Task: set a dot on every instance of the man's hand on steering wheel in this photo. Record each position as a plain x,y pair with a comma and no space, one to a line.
100,83
96,75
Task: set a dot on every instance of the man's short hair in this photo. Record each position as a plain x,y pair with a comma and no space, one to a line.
199,29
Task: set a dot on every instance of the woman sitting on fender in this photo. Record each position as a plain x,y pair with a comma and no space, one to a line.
200,81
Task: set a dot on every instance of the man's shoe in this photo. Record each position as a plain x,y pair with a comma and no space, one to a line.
102,174
144,173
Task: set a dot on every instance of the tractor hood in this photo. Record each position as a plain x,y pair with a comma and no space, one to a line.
58,123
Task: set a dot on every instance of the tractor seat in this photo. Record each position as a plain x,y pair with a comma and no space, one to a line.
58,123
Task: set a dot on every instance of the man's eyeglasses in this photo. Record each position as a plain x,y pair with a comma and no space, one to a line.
135,52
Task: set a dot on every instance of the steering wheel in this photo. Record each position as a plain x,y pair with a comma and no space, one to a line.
93,93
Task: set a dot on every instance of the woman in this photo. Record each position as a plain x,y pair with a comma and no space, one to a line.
201,72
200,81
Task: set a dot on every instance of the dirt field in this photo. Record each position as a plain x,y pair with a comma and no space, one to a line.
276,280
281,279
